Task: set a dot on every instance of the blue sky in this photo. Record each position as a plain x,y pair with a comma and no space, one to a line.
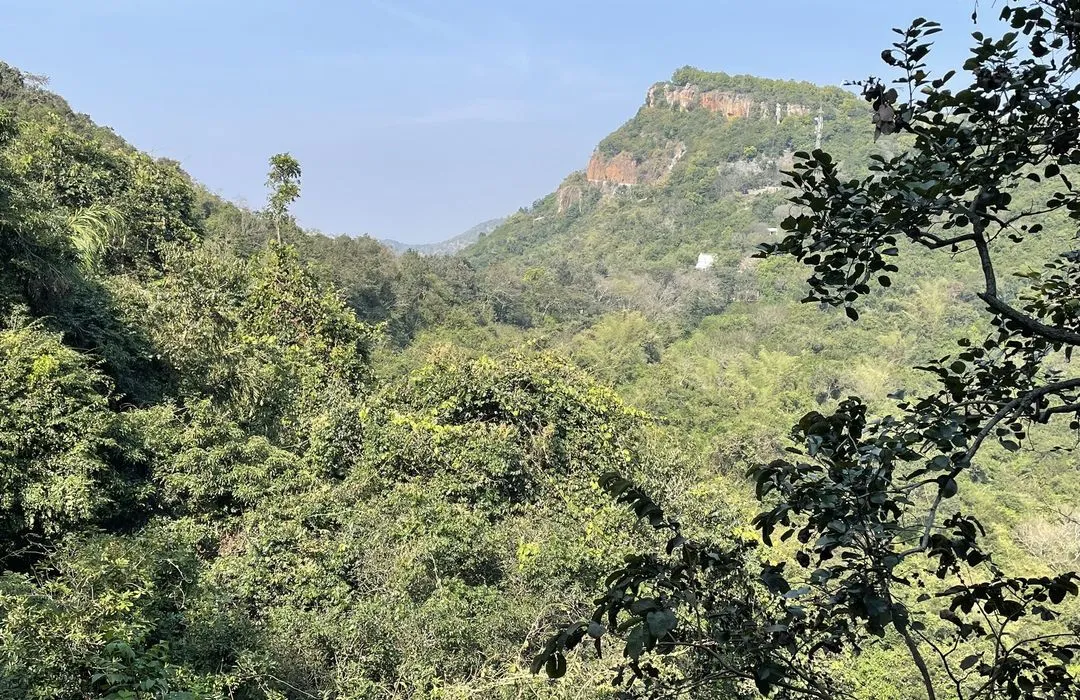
415,119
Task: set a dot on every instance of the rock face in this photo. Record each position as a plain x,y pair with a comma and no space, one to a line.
730,104
568,196
620,169
612,171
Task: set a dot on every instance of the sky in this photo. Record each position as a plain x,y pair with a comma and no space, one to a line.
416,119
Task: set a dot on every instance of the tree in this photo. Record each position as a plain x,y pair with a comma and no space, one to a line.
283,179
53,435
879,550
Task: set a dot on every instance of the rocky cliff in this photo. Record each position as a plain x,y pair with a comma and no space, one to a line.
616,166
626,169
730,104
620,169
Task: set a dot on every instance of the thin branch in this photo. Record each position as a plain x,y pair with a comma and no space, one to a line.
1042,638
1009,409
1064,408
1006,411
920,662
1008,223
933,241
945,663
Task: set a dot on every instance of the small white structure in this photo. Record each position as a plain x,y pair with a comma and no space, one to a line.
704,261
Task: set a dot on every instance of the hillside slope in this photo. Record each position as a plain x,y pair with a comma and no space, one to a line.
696,171
728,353
697,165
209,490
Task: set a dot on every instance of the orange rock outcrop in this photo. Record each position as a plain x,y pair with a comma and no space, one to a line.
729,104
620,169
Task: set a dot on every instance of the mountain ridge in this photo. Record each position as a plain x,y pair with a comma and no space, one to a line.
450,245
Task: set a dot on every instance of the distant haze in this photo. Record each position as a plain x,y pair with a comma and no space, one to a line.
450,245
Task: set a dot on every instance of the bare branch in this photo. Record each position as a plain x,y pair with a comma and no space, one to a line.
987,264
944,656
920,662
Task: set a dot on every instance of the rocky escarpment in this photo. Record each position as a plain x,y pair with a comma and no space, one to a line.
730,104
610,168
620,169
624,169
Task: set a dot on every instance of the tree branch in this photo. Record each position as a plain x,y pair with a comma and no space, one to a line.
987,265
945,662
1032,325
1065,408
933,241
1009,409
920,662
1006,411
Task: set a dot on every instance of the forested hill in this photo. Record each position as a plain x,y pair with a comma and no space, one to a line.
698,166
696,171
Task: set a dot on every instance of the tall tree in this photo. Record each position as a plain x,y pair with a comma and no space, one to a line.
283,179
879,549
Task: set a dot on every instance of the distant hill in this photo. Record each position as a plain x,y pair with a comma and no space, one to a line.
449,246
696,170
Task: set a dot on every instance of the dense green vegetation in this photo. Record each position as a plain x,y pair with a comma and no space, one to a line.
243,460
208,488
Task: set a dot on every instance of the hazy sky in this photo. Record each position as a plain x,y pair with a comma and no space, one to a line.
415,119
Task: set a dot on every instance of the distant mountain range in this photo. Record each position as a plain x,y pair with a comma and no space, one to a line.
450,245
